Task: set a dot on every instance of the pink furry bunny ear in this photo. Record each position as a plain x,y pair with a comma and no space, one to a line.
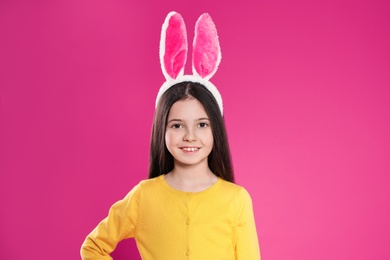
206,54
173,46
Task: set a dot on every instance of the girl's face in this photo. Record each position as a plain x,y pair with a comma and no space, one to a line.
188,136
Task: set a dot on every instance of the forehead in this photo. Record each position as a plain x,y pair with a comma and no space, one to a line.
187,109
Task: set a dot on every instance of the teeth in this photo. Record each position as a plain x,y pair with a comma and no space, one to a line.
190,149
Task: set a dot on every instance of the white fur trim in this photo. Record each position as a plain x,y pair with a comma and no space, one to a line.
192,78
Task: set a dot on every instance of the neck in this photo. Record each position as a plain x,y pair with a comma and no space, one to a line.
191,178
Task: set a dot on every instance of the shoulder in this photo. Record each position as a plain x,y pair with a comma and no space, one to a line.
146,184
142,187
236,199
235,193
151,183
150,186
234,188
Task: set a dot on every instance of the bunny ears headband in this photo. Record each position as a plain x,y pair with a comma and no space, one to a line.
206,54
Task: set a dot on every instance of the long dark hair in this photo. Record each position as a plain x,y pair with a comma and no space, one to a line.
161,160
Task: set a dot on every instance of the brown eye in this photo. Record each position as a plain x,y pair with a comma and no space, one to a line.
202,125
176,126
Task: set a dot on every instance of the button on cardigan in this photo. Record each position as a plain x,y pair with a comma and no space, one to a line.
169,224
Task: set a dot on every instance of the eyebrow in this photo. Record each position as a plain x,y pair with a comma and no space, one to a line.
179,120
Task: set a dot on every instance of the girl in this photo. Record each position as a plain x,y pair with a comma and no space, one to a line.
189,208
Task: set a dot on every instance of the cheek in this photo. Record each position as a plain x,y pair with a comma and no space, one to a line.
170,138
209,138
167,138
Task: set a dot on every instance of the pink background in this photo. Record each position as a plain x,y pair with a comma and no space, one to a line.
306,93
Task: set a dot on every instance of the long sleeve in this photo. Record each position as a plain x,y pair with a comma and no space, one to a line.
118,225
247,246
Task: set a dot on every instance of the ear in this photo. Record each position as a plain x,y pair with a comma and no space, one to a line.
173,46
206,54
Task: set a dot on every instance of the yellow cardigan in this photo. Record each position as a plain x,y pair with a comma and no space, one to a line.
169,224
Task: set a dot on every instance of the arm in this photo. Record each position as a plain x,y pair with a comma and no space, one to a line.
118,225
247,246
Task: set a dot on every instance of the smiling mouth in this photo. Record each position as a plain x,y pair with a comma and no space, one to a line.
190,149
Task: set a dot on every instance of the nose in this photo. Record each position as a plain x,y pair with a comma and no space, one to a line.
189,135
